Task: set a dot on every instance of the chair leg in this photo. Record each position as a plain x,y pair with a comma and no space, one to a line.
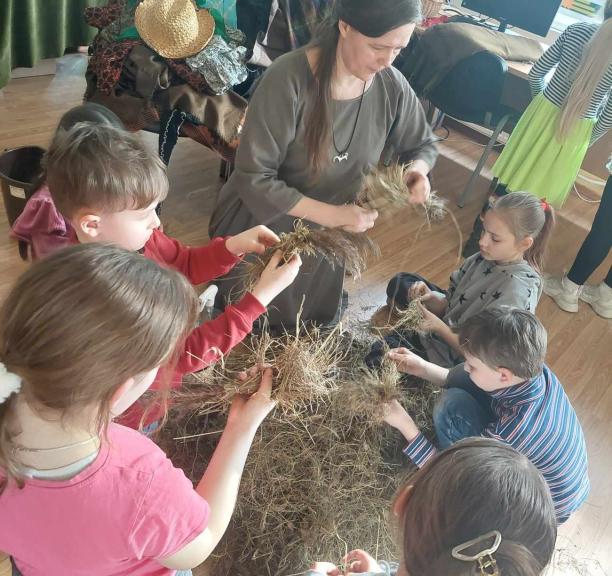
470,185
223,169
431,111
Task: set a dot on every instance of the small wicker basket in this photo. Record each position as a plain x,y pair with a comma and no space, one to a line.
431,8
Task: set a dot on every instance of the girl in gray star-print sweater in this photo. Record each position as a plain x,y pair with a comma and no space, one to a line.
506,272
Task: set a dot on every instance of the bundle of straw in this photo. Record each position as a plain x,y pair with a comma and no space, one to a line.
304,363
408,319
336,245
385,189
367,392
313,488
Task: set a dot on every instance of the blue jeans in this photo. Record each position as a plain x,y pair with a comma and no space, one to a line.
463,410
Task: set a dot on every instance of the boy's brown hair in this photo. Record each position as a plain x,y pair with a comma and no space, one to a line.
80,323
104,169
506,338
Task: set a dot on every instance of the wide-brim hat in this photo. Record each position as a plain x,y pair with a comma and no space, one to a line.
174,28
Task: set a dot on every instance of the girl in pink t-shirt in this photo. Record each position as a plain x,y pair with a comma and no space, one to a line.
82,335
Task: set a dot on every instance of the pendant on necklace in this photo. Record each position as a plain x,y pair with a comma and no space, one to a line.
341,157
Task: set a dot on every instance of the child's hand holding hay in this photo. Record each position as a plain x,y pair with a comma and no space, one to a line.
355,562
252,241
430,322
396,416
407,362
251,411
433,301
278,274
408,319
336,245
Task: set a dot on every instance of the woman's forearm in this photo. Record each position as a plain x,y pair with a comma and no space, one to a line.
320,213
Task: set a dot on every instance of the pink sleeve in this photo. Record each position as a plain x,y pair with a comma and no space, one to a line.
171,514
41,225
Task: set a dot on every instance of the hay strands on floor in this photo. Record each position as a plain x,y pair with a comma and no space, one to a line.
410,318
304,362
336,245
385,189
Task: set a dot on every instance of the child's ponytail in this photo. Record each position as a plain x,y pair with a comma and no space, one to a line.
515,559
536,254
510,559
528,216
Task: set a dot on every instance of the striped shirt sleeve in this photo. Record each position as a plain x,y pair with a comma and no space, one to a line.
420,450
545,63
604,123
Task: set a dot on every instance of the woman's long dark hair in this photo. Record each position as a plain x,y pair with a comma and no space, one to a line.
372,19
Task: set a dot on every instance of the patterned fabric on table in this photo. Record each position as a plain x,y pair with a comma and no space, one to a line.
291,25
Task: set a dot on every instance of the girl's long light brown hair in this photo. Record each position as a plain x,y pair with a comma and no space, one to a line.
594,64
80,323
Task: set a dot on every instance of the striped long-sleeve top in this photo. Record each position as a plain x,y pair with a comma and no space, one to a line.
566,54
537,419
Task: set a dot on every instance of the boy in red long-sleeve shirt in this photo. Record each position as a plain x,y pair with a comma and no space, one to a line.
107,185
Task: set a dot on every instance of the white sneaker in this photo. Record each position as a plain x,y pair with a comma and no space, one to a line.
563,291
599,298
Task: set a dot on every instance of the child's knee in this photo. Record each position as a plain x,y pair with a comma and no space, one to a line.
398,289
457,415
452,403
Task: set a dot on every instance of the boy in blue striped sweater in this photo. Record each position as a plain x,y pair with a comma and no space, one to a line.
503,391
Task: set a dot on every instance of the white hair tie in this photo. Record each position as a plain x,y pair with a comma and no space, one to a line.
9,383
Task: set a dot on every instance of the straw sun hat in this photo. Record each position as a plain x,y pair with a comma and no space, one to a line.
174,28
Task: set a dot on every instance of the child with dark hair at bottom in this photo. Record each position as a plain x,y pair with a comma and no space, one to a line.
503,391
478,508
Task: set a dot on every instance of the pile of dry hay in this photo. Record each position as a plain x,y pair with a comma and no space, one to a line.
323,468
337,246
305,364
385,189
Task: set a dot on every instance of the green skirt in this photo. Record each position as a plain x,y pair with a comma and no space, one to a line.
535,161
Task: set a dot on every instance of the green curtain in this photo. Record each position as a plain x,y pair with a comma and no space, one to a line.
31,30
